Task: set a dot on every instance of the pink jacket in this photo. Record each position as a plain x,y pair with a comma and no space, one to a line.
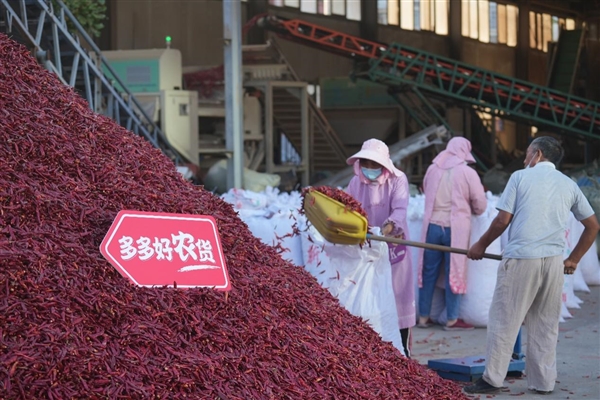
468,197
385,200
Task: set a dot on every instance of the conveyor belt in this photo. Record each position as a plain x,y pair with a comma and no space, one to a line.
501,95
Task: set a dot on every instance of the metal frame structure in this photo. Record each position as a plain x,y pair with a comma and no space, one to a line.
317,117
304,167
234,104
507,97
76,60
499,94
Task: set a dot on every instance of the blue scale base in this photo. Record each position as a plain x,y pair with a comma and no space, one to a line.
469,369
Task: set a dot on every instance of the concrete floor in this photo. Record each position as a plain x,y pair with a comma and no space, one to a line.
578,352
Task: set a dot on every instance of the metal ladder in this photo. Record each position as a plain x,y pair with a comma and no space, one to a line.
327,151
61,45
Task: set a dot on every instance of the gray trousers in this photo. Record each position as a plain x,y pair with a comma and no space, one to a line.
530,291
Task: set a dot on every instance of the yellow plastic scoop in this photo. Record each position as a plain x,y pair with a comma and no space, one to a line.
341,226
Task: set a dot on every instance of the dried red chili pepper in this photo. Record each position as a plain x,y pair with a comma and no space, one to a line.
339,195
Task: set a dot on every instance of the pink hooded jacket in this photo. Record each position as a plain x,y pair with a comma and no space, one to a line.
468,197
386,200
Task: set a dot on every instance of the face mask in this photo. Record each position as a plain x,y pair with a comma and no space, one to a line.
371,174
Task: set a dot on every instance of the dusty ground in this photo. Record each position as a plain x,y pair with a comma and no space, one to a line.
578,352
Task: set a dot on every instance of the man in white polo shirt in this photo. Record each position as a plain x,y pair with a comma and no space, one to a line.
536,204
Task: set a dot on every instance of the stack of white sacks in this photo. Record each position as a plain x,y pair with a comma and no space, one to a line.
361,278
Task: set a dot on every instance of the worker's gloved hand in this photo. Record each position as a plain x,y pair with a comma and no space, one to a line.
387,229
400,236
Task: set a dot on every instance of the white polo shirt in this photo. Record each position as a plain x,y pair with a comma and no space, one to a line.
540,199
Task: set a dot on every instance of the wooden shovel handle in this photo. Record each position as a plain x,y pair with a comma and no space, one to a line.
428,246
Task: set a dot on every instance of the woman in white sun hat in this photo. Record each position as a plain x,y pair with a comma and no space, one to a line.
383,192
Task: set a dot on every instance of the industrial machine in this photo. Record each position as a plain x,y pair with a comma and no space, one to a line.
153,76
193,120
276,117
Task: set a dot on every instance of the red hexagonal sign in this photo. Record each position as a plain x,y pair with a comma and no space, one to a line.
161,249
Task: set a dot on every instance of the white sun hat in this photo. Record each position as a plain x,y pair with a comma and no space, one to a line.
375,150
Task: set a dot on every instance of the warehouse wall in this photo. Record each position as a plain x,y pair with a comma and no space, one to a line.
538,67
197,30
422,40
494,57
196,27
311,64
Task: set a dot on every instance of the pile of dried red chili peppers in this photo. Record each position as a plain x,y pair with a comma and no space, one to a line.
72,327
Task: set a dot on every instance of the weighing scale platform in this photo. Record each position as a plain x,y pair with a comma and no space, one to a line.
469,369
